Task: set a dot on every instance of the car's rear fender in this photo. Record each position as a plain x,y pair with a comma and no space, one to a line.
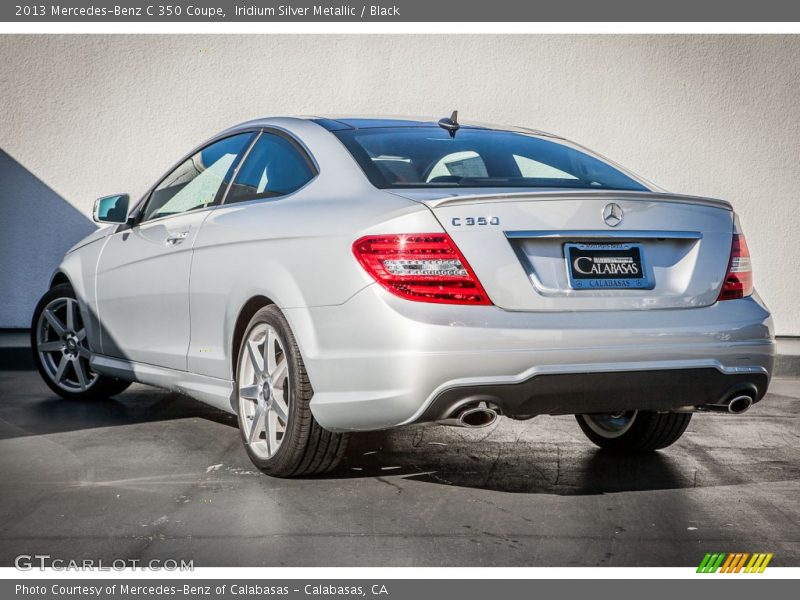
296,252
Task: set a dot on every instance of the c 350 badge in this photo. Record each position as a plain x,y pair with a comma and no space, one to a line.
474,221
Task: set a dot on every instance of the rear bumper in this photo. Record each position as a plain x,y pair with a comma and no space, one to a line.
377,361
603,392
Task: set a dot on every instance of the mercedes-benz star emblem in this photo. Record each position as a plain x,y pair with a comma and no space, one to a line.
612,214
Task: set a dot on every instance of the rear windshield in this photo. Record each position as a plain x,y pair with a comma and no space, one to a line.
405,157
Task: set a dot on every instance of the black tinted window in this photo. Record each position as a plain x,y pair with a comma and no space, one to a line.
199,181
430,157
274,167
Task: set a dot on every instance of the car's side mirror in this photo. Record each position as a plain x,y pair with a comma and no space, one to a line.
111,209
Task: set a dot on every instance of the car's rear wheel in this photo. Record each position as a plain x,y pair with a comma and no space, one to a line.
273,391
61,350
634,431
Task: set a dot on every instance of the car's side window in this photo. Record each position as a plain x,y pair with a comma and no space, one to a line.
274,167
199,181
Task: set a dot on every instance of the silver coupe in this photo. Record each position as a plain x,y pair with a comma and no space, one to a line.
320,276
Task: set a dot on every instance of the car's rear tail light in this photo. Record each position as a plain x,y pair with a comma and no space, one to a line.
426,267
739,278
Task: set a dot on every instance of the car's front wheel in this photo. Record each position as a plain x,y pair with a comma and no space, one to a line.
278,430
61,350
634,431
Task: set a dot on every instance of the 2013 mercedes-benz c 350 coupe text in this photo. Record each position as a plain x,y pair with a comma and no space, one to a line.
319,276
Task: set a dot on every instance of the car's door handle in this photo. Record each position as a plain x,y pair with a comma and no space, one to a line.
176,238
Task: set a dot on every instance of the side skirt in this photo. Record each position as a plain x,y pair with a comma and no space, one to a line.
216,392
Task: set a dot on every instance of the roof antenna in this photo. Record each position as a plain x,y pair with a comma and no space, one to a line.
451,124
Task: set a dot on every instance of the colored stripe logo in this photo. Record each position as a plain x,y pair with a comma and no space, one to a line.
736,562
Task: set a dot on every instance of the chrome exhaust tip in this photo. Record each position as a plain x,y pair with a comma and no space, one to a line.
471,418
735,403
477,417
740,404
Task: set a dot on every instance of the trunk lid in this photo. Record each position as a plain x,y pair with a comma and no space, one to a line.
518,244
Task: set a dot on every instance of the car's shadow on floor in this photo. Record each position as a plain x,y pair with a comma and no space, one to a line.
509,467
568,468
507,458
48,414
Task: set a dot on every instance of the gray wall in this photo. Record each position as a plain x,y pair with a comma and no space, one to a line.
37,226
89,115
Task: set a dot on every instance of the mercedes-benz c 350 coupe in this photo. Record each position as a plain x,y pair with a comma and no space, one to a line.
321,276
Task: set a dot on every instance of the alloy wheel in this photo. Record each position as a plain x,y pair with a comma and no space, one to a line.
62,346
264,393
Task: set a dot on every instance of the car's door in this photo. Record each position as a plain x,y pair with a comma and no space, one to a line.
143,271
242,246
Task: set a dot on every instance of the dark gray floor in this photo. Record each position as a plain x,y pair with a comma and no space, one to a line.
155,475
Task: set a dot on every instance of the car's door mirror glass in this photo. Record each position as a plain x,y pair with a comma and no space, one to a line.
111,209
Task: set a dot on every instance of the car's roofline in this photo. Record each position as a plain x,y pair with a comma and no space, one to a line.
333,123
341,122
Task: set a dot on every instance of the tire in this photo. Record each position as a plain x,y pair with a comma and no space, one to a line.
634,431
61,351
273,393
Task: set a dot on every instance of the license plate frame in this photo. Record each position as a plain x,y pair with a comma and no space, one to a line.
614,272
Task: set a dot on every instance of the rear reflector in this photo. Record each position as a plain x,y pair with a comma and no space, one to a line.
739,278
426,267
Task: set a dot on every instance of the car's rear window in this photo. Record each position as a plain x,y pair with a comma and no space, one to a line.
404,157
